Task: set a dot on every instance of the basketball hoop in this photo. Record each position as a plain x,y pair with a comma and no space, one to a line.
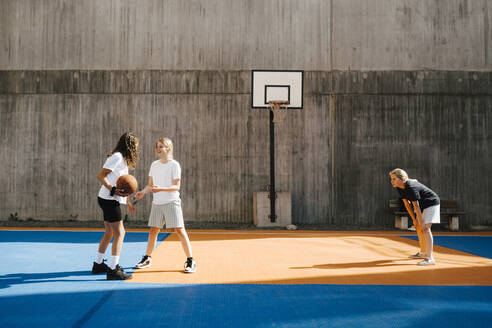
278,91
279,109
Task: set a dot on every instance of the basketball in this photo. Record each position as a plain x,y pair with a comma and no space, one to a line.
127,183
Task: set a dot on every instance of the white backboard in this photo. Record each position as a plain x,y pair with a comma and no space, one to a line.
268,85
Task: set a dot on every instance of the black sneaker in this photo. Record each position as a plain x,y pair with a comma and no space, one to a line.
145,262
117,274
190,265
99,268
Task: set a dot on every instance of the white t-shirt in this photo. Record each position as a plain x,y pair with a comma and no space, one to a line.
163,175
117,164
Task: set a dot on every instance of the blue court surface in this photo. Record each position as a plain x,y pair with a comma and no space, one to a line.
476,245
45,281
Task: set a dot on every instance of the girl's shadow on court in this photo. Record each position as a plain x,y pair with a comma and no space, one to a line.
371,264
10,279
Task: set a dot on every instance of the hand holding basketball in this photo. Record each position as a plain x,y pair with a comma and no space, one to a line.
121,193
126,185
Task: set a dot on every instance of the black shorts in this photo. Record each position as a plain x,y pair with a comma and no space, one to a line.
111,209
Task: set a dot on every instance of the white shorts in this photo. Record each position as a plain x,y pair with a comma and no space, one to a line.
171,214
432,214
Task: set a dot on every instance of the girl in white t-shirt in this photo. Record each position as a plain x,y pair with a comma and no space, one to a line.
124,155
164,183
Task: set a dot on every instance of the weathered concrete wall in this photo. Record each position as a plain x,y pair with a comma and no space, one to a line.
388,83
333,156
58,142
436,125
317,35
409,35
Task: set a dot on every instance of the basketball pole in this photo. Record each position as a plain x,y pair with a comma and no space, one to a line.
273,194
274,89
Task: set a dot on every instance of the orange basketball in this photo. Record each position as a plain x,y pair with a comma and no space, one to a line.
128,183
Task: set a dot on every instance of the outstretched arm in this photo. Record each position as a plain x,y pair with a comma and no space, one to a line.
148,188
418,212
410,211
174,187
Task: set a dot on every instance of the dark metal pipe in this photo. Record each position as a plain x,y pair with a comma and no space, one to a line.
273,194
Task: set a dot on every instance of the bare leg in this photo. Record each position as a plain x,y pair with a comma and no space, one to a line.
185,241
420,235
429,240
119,235
106,238
153,232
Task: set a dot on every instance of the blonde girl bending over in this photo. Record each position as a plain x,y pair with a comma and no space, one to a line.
423,205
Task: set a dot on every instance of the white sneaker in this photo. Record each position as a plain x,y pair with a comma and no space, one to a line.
427,261
412,228
145,262
418,255
190,265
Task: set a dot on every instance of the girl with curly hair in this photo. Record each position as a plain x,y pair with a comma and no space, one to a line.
124,156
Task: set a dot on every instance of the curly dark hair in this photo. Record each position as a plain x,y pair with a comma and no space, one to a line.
127,146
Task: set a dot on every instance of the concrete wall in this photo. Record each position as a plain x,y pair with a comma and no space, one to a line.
244,34
333,156
387,84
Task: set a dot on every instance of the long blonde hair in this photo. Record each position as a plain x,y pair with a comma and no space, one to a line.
169,144
401,174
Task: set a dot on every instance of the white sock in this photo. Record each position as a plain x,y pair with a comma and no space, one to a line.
114,261
99,258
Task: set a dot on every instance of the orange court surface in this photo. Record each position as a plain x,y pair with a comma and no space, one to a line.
306,257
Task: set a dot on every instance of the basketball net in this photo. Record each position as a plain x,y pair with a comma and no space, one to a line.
279,109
